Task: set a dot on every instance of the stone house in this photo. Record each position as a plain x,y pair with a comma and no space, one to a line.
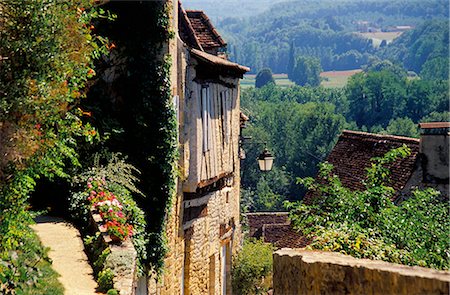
203,228
426,166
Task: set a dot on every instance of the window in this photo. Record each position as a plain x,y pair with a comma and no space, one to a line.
215,103
225,107
206,117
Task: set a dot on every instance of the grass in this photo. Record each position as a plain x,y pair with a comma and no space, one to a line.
280,80
331,79
377,37
336,79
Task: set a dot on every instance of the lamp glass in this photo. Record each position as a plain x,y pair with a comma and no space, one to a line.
266,163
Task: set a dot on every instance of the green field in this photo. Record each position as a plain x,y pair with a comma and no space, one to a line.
280,79
377,37
332,79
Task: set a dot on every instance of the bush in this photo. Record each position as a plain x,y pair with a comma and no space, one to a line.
120,178
263,78
367,224
49,48
112,292
252,268
105,280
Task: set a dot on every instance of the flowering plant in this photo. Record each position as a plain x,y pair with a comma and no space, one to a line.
119,230
110,209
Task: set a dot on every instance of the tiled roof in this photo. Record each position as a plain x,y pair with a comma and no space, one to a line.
352,153
205,32
256,221
283,236
197,31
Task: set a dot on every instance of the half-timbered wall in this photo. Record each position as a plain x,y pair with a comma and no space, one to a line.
212,142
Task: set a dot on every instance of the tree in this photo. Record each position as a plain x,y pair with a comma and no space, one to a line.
291,62
252,268
307,71
375,97
435,69
437,117
263,78
403,127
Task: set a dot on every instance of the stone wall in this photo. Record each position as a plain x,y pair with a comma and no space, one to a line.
313,272
122,259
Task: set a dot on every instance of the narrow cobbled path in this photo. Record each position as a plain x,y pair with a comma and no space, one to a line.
66,251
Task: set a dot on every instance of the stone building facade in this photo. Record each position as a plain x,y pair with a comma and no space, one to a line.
203,229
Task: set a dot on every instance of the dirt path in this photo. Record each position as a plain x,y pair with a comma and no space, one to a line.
66,251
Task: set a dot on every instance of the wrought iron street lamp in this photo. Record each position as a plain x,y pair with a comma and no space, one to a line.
265,161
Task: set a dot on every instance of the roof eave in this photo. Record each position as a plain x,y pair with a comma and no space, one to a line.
217,61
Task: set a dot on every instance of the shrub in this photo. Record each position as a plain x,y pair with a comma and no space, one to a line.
120,177
105,280
367,224
263,78
252,268
112,292
47,50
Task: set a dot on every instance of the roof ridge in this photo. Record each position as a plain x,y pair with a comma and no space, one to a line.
380,136
189,25
208,24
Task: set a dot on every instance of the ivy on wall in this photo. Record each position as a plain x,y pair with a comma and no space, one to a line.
133,107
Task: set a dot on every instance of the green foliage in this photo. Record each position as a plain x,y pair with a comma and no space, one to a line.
139,119
367,224
112,292
435,69
100,262
325,30
47,50
300,127
252,268
378,97
27,270
263,78
403,127
122,179
437,117
105,280
306,71
423,49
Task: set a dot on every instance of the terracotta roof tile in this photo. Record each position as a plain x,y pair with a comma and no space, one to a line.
283,236
352,153
204,30
197,31
256,221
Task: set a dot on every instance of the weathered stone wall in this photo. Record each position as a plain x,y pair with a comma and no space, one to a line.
194,262
122,259
313,272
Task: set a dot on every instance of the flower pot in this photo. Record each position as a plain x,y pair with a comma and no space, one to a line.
115,239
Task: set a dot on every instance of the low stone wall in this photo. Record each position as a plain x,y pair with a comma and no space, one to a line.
122,260
299,271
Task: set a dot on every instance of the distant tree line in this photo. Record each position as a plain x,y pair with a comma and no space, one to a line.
325,31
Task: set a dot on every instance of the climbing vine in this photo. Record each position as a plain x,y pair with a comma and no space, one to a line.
133,107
